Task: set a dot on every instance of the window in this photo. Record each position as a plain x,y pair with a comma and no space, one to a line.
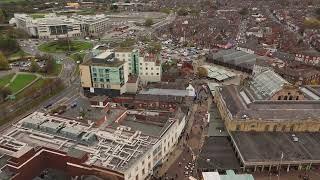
123,55
95,85
94,70
143,172
297,98
283,128
146,74
102,85
266,128
146,64
151,74
118,55
129,64
157,74
275,128
100,70
129,68
146,68
285,97
280,97
291,128
142,162
101,80
151,68
238,128
149,165
140,64
290,97
94,74
106,70
94,79
137,177
157,68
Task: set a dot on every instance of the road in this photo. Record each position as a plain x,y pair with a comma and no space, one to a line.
67,75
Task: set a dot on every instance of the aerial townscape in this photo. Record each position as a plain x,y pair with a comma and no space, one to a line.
159,89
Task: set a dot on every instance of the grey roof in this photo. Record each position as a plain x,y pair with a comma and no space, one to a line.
170,92
266,84
266,147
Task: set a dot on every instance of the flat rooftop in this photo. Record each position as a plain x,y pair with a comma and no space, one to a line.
73,137
258,148
151,123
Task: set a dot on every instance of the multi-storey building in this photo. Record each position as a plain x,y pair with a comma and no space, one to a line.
48,27
128,145
272,124
51,26
92,25
104,74
129,62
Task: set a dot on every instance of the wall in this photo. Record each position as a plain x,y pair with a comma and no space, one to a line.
234,124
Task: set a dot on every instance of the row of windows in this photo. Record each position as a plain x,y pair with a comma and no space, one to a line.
268,128
146,74
288,98
107,86
101,80
101,70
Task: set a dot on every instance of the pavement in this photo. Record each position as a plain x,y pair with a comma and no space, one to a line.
181,162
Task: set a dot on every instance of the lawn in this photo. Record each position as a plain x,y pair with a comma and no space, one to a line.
35,86
56,69
6,79
18,54
21,81
37,15
8,1
64,46
77,56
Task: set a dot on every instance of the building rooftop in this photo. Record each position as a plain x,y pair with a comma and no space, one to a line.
266,147
125,146
240,105
168,92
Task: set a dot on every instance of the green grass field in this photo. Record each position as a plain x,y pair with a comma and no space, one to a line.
21,81
6,79
35,86
18,54
8,1
58,46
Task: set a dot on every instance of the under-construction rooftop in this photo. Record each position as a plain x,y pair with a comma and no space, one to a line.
110,148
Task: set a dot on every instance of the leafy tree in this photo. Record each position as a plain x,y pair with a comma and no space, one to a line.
318,13
311,23
127,43
8,44
244,11
182,12
4,92
78,57
34,67
2,16
154,47
49,67
202,72
4,64
114,7
148,22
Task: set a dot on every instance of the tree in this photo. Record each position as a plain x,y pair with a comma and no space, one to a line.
34,67
114,7
182,12
244,11
4,64
154,47
4,92
311,23
2,16
78,57
202,72
8,45
318,13
148,22
49,67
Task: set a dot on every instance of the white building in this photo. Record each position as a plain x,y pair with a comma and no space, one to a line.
51,26
93,25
